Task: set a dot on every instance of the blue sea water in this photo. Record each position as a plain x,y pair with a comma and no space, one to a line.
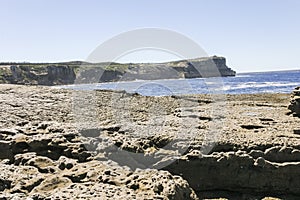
246,83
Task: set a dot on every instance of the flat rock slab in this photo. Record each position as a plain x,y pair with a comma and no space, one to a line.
67,141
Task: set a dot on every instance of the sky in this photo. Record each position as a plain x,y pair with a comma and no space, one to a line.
256,35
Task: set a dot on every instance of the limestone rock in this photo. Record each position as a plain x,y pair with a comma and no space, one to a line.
88,180
295,102
67,73
254,175
41,138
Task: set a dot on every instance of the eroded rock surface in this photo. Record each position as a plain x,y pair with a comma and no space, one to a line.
37,176
295,102
45,157
60,144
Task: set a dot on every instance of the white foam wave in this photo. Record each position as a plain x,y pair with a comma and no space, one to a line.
258,85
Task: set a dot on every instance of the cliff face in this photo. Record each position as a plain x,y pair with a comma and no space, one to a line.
204,67
194,68
37,75
82,72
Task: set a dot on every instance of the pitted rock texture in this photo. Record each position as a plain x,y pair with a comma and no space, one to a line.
43,156
295,102
60,144
37,176
247,172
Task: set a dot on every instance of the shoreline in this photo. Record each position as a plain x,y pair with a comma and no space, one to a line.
256,149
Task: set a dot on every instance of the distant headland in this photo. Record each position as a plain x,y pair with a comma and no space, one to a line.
84,72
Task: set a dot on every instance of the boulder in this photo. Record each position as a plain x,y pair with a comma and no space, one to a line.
295,102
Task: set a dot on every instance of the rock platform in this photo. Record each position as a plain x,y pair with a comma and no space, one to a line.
62,144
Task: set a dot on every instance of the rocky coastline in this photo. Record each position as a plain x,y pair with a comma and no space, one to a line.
61,144
84,72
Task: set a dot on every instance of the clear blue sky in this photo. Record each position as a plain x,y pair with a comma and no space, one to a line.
256,35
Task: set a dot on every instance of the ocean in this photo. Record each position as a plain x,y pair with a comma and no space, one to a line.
243,83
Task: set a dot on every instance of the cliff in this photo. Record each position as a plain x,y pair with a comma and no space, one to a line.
36,74
84,72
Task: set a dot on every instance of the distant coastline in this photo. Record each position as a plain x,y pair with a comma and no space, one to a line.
65,73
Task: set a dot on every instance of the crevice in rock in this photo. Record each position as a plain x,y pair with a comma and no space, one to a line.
205,118
250,127
266,119
5,184
297,131
76,178
30,187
